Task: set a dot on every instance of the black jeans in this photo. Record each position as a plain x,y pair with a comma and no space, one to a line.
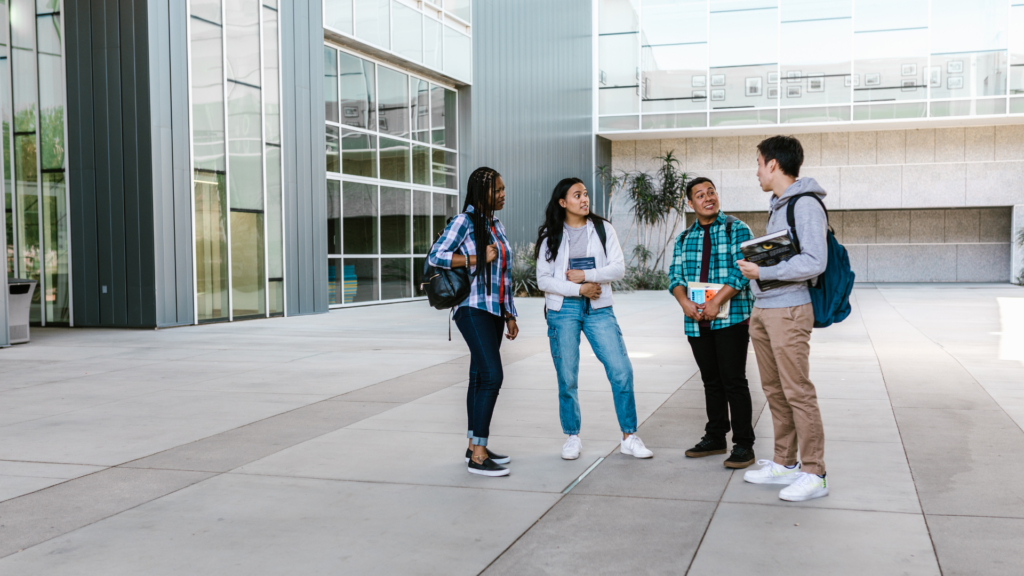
722,358
482,331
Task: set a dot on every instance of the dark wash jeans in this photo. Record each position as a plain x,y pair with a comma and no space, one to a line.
483,332
721,356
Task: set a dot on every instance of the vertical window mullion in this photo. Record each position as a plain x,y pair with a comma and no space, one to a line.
227,154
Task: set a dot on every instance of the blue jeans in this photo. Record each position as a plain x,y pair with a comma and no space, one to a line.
605,337
482,331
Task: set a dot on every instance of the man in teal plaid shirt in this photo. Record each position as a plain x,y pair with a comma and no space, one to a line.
707,252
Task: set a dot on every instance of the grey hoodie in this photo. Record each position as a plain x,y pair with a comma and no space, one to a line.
812,227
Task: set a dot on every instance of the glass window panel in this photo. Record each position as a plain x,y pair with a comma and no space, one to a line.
55,249
207,96
331,84
743,87
618,16
335,281
432,34
1016,49
458,55
248,279
211,245
968,107
272,79
978,25
615,123
816,9
26,188
460,9
275,292
358,92
445,207
618,101
373,22
967,75
420,110
417,277
334,217
421,239
362,280
619,60
887,111
338,15
408,32
820,114
890,14
245,147
666,121
358,154
395,220
442,116
743,117
208,10
420,165
243,30
275,223
1016,105
675,79
359,209
446,172
5,149
333,153
396,278
743,36
394,160
822,74
890,65
393,115
674,21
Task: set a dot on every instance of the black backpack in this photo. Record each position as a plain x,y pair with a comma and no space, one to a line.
728,228
445,287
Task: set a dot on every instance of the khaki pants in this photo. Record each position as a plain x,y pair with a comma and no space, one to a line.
781,338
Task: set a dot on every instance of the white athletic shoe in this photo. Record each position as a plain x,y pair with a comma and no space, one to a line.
632,445
572,447
772,473
806,487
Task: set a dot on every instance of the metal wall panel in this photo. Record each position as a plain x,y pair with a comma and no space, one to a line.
532,104
305,175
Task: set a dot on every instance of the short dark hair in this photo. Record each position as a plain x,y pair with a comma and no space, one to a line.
694,182
786,151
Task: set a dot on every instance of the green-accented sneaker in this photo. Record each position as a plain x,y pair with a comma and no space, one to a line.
806,487
772,473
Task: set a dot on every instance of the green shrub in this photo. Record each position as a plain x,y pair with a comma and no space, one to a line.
524,272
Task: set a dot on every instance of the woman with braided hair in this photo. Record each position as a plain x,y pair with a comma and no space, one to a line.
487,311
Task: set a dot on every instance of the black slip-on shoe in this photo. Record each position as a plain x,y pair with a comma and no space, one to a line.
488,468
741,457
707,447
498,458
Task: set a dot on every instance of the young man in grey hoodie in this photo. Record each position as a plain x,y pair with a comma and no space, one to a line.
781,323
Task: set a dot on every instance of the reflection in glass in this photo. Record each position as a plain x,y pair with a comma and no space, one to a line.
890,51
445,207
618,55
420,110
675,79
968,75
619,16
331,83
373,22
243,30
362,280
408,32
55,242
890,111
432,43
275,293
420,164
393,102
1016,45
26,178
417,277
275,228
666,121
618,100
338,15
396,278
272,78
818,114
421,239
394,160
743,51
333,152
442,116
967,107
335,281
458,54
6,118
743,117
446,173
245,146
460,9
248,280
358,153
612,123
822,74
358,94
334,245
395,220
359,209
211,245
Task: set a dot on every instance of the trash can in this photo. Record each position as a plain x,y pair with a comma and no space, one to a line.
18,305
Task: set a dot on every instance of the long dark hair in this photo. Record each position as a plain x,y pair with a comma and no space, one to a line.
480,195
554,219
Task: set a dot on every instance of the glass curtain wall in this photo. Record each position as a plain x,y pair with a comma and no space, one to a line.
392,176
236,139
35,192
678,64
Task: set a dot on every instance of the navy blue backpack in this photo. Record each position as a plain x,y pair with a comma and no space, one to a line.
830,295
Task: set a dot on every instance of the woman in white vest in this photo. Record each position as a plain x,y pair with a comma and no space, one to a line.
578,257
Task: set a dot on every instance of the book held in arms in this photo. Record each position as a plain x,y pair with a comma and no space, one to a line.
582,263
768,251
700,292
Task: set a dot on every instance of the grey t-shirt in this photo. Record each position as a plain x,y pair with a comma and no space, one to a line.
577,241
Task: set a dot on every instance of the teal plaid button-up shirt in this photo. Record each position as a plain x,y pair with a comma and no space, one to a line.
722,269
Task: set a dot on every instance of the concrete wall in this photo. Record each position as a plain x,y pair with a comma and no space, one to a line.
894,177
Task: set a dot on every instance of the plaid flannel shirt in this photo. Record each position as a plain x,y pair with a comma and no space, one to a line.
725,251
457,238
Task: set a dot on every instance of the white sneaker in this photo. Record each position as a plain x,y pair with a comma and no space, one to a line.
806,487
572,447
632,445
772,473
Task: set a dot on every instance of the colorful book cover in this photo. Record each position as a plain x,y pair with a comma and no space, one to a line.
768,251
701,292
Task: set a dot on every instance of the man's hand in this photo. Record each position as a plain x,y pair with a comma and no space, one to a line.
513,328
590,290
492,253
749,269
576,276
711,309
691,310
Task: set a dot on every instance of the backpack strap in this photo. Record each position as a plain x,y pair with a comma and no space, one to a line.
791,219
602,234
728,226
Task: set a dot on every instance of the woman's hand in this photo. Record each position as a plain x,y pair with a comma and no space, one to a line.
492,253
513,328
590,290
576,276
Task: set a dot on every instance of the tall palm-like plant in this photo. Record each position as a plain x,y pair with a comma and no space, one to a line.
657,200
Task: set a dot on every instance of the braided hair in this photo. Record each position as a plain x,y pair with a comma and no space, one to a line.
480,195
